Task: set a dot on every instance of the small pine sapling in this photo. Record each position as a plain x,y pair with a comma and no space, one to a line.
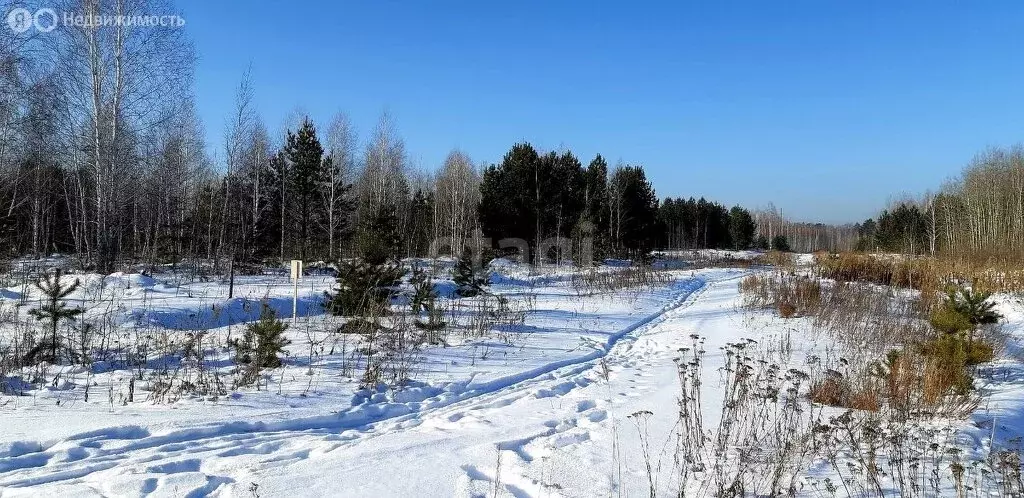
964,311
363,289
262,345
469,281
424,301
54,310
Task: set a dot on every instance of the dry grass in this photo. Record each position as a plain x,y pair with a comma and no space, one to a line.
591,282
886,355
781,260
926,274
790,296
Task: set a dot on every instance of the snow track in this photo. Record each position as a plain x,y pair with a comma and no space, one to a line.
456,425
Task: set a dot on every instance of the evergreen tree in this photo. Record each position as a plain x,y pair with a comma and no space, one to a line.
635,211
741,228
468,281
564,198
363,289
974,306
595,200
261,346
866,233
903,229
268,235
509,197
307,168
695,223
421,222
424,301
780,243
54,310
378,239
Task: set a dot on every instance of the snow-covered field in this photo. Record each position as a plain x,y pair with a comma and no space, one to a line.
577,401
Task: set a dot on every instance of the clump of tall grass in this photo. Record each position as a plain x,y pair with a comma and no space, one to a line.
894,271
595,281
788,295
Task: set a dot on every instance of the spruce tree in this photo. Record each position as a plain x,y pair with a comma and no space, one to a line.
378,239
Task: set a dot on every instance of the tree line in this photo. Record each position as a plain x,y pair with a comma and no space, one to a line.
980,213
102,156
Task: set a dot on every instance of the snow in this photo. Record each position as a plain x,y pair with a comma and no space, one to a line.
542,411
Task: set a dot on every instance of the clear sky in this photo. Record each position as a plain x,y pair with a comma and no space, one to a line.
828,108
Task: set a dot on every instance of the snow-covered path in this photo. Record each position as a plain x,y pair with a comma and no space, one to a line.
560,430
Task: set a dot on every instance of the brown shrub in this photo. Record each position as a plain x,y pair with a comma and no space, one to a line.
866,399
781,260
787,310
789,295
831,391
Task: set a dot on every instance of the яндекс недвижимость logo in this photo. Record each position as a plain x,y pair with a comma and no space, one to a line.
45,20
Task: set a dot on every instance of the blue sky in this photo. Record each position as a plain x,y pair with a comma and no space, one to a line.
826,108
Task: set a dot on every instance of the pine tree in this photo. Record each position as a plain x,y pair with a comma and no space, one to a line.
902,229
268,239
635,211
308,172
421,220
468,281
565,200
378,239
363,289
596,205
54,310
741,228
509,196
424,301
780,243
262,345
975,306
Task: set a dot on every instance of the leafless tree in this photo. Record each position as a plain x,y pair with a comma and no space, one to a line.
341,147
123,80
457,189
382,181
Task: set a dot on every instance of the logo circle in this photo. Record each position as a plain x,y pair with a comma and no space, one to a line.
45,28
19,20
